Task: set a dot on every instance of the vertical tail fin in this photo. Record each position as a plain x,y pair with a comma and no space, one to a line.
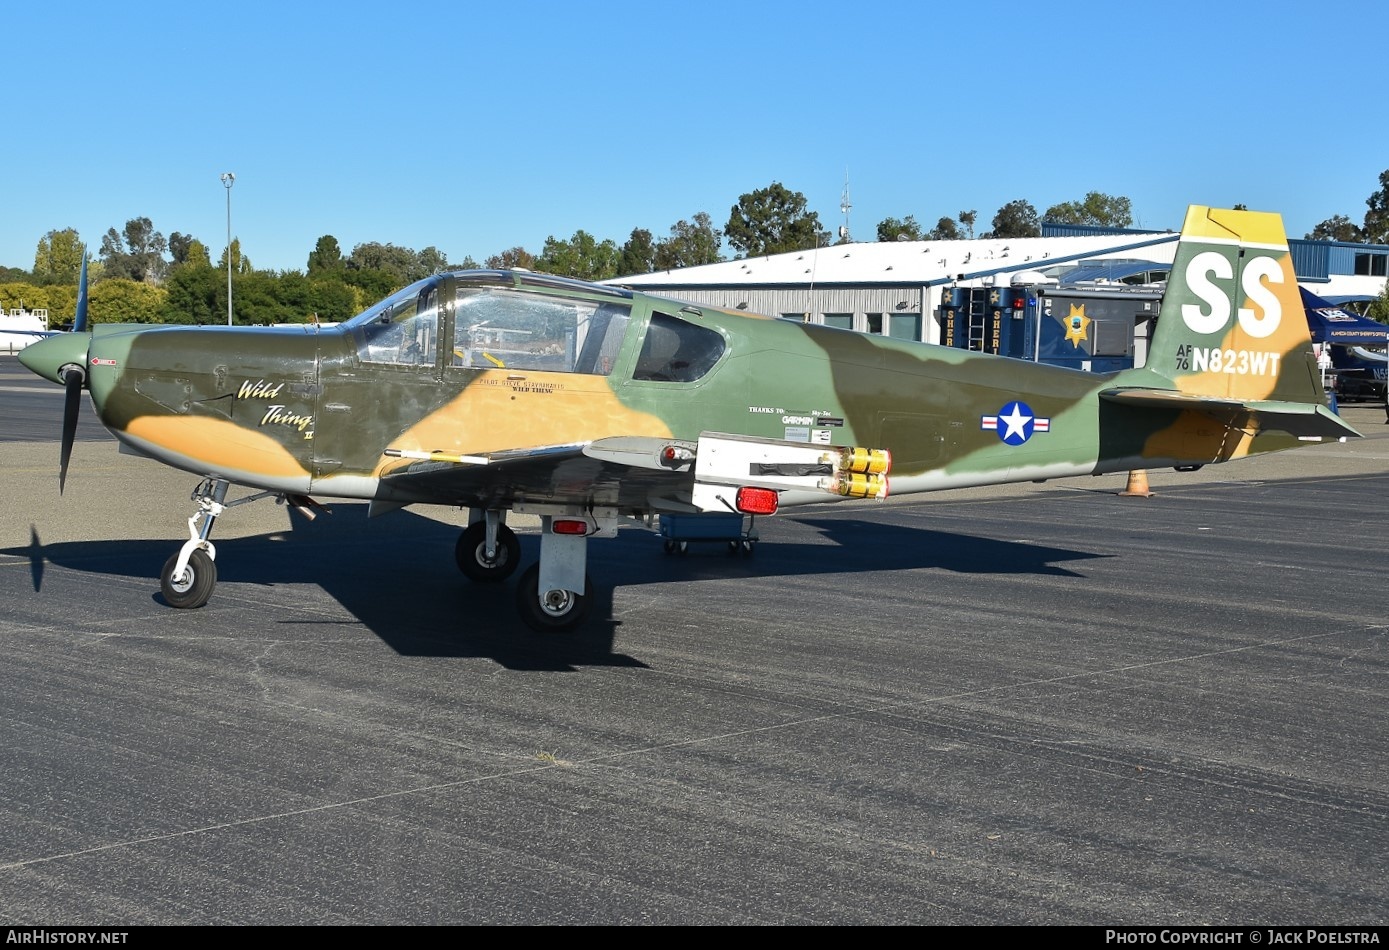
1232,343
1232,324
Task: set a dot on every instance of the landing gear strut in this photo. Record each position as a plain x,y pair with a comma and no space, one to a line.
190,575
488,550
556,594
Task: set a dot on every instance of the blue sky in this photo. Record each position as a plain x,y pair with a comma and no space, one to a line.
473,130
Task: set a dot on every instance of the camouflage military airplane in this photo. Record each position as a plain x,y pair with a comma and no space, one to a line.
504,391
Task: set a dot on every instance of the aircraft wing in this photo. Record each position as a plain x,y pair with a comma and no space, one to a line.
1299,419
620,472
637,474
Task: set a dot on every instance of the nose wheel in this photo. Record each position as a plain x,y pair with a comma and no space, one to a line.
188,577
193,586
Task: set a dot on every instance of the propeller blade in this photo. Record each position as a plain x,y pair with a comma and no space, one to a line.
72,404
79,323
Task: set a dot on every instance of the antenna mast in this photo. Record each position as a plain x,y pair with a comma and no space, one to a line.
845,207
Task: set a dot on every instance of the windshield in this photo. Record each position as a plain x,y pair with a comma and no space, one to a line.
394,300
402,329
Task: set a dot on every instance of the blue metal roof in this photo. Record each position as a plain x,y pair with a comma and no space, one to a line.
1111,270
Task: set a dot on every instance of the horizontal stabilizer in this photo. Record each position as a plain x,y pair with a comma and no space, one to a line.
1303,420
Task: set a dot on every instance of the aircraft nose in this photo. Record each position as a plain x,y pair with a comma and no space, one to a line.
50,355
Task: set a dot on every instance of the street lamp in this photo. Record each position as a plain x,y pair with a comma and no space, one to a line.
228,179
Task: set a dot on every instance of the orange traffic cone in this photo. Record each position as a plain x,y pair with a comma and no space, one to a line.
1137,486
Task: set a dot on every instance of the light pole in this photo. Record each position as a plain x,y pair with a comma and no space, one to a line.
228,179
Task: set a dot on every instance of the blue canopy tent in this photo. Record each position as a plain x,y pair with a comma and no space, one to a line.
1359,373
1331,324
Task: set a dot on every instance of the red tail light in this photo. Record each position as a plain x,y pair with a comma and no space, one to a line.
756,501
569,526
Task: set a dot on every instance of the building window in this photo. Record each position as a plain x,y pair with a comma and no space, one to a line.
1372,265
904,326
875,322
842,321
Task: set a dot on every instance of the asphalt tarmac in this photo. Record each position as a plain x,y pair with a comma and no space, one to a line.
1041,704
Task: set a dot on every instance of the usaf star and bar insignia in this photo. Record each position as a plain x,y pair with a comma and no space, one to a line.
1015,423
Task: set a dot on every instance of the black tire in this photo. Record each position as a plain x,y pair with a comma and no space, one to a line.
470,553
195,588
565,611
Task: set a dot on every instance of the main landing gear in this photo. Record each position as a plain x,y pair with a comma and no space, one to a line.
488,550
554,595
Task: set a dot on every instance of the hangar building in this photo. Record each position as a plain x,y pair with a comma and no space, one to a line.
1079,296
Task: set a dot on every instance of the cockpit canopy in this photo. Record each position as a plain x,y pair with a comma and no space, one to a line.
505,320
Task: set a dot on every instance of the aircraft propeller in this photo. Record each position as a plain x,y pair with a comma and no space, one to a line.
63,359
74,377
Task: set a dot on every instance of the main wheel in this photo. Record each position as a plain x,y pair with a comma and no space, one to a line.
558,610
194,588
471,553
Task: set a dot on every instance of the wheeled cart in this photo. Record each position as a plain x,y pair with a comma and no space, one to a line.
737,531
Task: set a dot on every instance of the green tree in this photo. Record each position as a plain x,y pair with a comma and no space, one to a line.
773,220
1016,219
135,253
191,294
188,250
122,300
510,258
60,300
945,230
582,257
253,300
400,263
1336,228
240,263
58,259
1095,208
335,300
28,295
430,261
691,244
1376,227
638,255
1379,307
891,229
326,257
374,284
967,218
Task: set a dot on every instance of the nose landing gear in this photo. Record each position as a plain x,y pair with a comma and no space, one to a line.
188,577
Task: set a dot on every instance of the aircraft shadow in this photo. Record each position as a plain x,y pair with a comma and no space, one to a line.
396,575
